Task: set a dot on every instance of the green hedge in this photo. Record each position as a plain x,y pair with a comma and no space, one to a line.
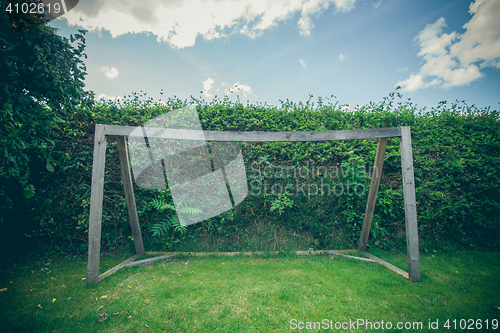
456,150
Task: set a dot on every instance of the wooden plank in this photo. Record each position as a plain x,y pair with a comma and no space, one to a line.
387,265
410,205
258,136
96,196
346,251
129,194
372,194
117,267
151,260
334,253
302,136
152,253
204,254
324,251
225,254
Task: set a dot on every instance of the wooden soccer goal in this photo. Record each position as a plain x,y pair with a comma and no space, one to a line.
121,132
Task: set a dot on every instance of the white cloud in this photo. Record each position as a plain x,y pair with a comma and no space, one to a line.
305,26
207,87
180,22
414,82
303,63
455,59
341,57
110,72
209,90
237,88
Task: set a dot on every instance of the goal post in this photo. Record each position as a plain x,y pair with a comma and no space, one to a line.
121,132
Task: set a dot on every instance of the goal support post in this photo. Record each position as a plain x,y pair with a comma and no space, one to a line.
121,132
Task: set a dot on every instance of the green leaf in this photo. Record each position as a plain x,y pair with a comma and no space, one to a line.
29,191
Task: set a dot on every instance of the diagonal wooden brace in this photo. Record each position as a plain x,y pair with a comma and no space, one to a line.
372,195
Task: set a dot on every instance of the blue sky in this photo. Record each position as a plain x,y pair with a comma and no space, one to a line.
266,51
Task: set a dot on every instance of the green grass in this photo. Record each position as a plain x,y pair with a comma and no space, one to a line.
247,294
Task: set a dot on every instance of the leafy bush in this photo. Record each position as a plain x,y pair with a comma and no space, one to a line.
41,87
456,150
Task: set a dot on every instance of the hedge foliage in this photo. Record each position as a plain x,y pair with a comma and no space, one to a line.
456,150
41,84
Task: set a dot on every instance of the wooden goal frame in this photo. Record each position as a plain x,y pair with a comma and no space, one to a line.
382,134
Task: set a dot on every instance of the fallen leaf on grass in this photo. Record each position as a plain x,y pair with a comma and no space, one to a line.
103,317
3,289
104,297
129,287
129,317
99,308
53,300
39,306
68,298
114,314
30,289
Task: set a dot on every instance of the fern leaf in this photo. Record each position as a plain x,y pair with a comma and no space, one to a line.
162,205
180,228
190,210
160,229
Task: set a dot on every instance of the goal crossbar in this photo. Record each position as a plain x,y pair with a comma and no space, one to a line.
121,132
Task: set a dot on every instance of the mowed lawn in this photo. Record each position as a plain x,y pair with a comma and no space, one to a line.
274,293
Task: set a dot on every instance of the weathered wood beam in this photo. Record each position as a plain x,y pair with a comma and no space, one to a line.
387,265
229,254
117,267
129,194
334,253
372,195
96,196
360,134
204,254
410,205
151,260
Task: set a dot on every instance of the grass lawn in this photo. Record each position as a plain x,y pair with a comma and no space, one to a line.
278,293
